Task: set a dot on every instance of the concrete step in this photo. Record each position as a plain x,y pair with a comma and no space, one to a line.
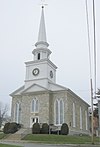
14,137
19,134
22,130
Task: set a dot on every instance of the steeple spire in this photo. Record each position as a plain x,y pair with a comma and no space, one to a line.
42,30
42,40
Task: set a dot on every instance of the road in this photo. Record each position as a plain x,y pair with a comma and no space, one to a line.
46,145
24,144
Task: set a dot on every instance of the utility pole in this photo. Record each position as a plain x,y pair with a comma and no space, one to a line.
98,98
94,41
99,116
92,127
90,63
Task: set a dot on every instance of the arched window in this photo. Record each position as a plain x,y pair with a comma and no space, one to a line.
86,120
34,105
17,112
74,119
59,111
80,118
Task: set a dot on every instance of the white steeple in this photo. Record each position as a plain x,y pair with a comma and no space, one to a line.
42,39
41,70
41,51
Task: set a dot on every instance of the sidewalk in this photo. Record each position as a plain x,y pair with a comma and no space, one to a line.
36,144
12,142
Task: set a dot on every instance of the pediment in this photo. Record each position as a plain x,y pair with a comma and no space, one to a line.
38,88
56,87
18,91
34,88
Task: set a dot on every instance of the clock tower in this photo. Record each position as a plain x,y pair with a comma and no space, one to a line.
41,70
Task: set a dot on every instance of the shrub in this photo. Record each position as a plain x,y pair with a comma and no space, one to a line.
64,129
11,128
36,128
19,126
6,128
45,128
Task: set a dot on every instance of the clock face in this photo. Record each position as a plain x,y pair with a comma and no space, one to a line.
51,74
35,71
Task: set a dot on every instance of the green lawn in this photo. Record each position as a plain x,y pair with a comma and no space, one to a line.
5,145
60,139
56,139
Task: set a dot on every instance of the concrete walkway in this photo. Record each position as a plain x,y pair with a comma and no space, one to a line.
12,142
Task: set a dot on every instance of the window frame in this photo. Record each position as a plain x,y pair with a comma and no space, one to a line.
86,120
81,124
17,113
74,115
59,112
36,105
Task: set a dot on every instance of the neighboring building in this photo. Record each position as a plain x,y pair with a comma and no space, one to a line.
96,119
41,99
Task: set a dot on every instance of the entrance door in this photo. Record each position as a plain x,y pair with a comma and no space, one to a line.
33,120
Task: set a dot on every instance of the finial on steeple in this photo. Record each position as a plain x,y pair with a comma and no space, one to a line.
42,6
42,39
43,3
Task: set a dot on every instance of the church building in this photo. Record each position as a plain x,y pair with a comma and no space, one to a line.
41,99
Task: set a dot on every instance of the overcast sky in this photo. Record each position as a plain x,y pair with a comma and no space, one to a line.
66,34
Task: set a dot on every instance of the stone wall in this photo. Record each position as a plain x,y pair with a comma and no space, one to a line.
42,114
71,98
46,113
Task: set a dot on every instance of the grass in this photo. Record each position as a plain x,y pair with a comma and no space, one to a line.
55,139
6,145
60,139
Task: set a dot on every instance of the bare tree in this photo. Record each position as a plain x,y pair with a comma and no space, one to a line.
3,112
